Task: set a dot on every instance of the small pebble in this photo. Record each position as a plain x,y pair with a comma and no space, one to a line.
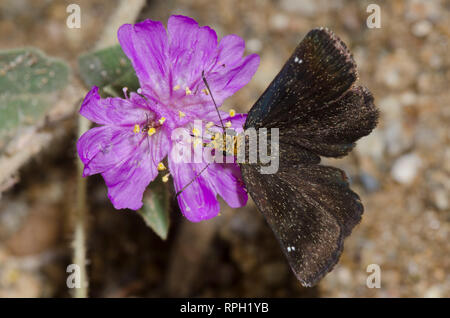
390,107
422,28
279,21
372,146
396,138
369,182
405,168
254,45
408,98
440,199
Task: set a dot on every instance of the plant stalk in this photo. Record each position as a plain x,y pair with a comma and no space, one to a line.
79,240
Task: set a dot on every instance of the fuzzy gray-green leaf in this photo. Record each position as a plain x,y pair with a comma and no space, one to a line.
28,83
155,210
29,71
108,67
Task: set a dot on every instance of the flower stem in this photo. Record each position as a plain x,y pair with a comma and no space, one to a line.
79,240
126,12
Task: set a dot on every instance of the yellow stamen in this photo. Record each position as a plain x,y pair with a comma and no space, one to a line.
136,129
228,124
205,91
217,141
162,120
151,131
217,135
188,91
161,166
177,87
195,131
181,114
209,125
197,141
232,112
165,178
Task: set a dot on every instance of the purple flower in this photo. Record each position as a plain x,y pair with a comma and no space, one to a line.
134,135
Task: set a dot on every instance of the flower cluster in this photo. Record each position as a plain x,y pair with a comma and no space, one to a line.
134,134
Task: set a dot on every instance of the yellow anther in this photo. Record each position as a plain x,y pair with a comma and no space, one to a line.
217,141
232,112
205,91
151,131
136,129
214,144
161,166
197,141
188,91
165,178
217,135
162,120
177,87
228,124
209,125
181,114
195,131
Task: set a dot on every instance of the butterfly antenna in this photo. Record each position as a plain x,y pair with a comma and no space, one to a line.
214,101
148,138
190,182
223,129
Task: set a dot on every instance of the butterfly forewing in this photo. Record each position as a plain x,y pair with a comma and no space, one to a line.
321,69
318,112
332,129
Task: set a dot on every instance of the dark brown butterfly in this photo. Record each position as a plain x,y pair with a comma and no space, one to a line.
319,112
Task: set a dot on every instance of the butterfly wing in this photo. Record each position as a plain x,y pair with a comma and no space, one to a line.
312,100
310,209
332,129
318,112
320,69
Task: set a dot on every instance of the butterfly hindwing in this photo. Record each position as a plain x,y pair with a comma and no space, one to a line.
310,209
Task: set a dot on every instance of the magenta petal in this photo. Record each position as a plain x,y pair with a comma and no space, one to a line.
226,180
197,201
169,66
101,148
237,121
231,49
145,44
230,79
192,49
111,111
128,180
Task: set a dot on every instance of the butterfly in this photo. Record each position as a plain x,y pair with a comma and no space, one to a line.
319,111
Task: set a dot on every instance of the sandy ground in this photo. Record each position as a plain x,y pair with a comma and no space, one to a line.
401,170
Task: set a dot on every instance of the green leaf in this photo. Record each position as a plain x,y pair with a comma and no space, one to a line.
28,83
29,71
155,210
108,67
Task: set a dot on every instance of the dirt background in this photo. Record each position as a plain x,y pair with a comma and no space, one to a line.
401,170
